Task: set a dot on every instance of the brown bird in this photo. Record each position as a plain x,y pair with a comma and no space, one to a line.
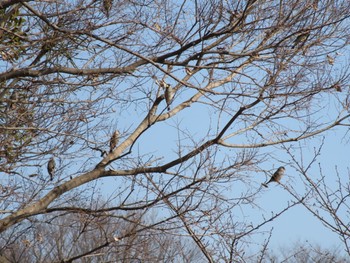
330,60
107,6
114,141
169,95
188,71
168,91
337,87
51,167
276,177
301,39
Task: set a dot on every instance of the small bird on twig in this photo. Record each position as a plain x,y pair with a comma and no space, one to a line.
107,6
114,141
168,91
169,95
51,167
330,60
337,87
276,177
188,71
301,39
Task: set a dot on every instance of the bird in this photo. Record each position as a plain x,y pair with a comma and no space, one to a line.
188,71
330,60
337,87
168,91
169,95
107,5
301,39
114,141
51,167
276,177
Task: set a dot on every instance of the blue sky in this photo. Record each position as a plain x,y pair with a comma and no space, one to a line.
199,123
298,224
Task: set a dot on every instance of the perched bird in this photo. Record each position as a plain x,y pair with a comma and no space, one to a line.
168,91
157,26
51,167
337,87
107,5
330,60
188,71
114,141
169,95
301,39
276,177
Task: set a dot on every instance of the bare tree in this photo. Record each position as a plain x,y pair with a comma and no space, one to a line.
201,92
99,237
306,252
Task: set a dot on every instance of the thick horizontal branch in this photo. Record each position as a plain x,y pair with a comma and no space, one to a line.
26,72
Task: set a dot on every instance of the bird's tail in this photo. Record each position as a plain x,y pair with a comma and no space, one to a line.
265,185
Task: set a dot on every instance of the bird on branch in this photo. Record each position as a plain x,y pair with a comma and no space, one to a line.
188,71
51,167
330,60
107,6
276,177
301,39
114,141
168,91
169,95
